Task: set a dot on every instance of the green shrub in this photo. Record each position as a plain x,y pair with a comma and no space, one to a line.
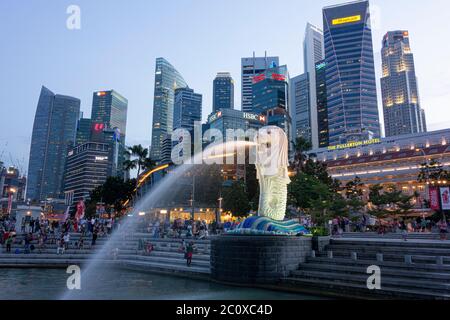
320,232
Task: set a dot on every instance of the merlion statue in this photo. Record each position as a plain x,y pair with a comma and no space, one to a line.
272,172
272,163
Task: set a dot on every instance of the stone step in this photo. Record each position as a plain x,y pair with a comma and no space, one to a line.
165,260
339,288
392,243
162,267
388,257
389,271
410,284
391,250
4,257
366,263
178,255
40,262
413,235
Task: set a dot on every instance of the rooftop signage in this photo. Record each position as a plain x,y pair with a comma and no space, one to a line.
259,78
245,115
354,144
346,20
321,65
255,117
215,116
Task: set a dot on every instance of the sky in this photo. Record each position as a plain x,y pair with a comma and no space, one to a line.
119,40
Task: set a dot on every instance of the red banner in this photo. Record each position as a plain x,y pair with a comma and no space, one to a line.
434,198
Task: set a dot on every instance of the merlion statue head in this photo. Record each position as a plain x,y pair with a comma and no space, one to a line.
271,151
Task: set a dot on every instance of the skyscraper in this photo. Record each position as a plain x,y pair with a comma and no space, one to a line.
300,107
313,52
250,67
167,79
271,97
187,108
54,132
350,73
109,112
223,91
401,104
84,127
110,108
88,166
322,109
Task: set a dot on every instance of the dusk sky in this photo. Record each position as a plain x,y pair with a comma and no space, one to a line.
119,41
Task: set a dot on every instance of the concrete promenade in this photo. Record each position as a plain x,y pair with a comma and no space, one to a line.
415,269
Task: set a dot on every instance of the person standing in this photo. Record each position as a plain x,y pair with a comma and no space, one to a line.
189,253
443,229
94,236
8,242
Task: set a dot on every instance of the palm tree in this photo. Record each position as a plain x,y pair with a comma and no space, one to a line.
129,164
140,160
301,147
148,164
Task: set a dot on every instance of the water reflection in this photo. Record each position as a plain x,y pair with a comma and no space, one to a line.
49,284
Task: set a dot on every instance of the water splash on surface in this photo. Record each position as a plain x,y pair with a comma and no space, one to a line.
168,187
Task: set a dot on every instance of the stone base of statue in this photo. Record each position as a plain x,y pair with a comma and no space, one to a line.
259,259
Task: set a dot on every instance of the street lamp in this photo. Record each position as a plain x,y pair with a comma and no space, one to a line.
12,191
219,213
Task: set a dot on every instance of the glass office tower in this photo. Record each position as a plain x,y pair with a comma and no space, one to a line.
251,67
350,73
401,104
301,107
109,108
167,79
322,109
187,108
313,51
84,128
223,91
271,97
54,132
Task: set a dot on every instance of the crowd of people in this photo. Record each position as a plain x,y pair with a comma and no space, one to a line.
179,228
36,233
384,226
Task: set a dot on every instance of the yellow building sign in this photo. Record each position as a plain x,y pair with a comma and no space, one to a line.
354,144
346,20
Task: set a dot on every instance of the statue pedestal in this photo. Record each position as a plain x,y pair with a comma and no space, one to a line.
250,259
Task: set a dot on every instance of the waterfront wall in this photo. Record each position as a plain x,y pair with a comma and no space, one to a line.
257,259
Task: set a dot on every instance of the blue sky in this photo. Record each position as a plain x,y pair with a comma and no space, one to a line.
119,41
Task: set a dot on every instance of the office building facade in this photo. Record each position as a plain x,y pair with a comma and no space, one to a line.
167,79
301,107
322,109
271,97
251,67
84,128
54,132
187,108
229,119
223,91
313,52
401,104
350,73
88,166
389,161
109,108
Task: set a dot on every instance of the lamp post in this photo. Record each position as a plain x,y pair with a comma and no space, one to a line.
219,213
193,198
11,193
